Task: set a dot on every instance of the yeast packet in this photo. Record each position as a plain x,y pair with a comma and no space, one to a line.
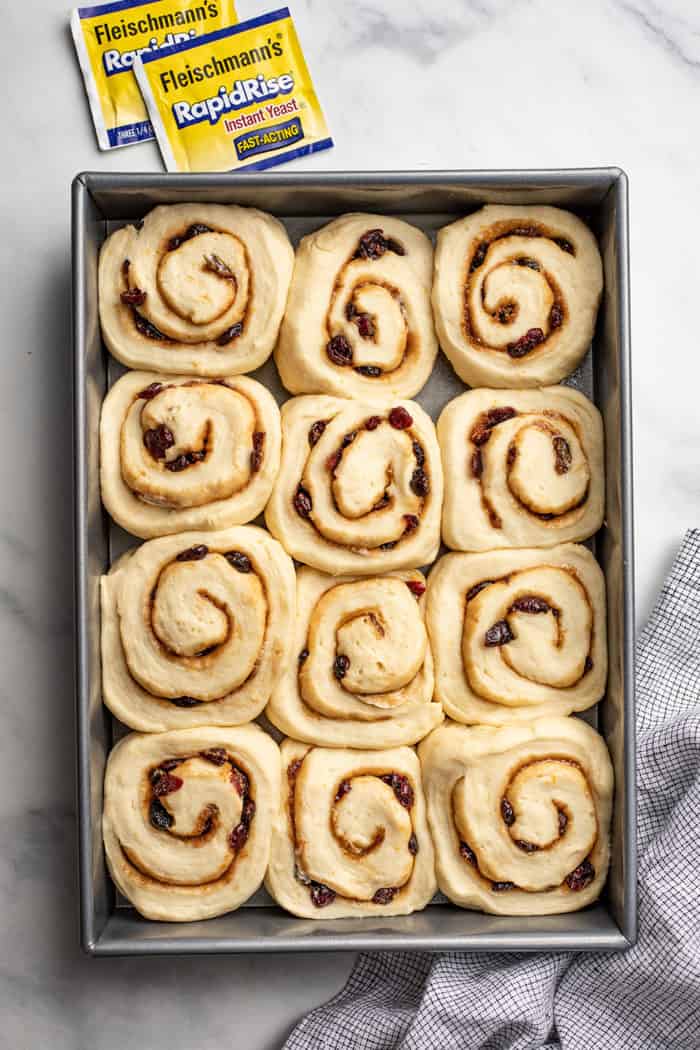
108,37
233,100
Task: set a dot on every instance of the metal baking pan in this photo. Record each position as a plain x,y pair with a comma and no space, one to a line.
304,201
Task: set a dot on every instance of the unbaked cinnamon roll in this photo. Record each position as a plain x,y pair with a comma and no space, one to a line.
523,468
359,322
188,817
197,289
196,629
520,815
351,837
359,490
517,634
363,674
516,294
180,454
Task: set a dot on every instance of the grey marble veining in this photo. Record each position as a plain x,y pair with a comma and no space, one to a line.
430,84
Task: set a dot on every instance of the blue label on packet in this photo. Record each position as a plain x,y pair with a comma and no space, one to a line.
128,133
267,139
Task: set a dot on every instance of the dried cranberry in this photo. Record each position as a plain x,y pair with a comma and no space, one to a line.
303,656
499,634
185,701
507,812
164,783
147,329
562,454
372,371
395,247
477,588
400,786
413,845
150,391
340,666
494,416
532,338
239,836
372,423
563,821
216,755
216,265
133,297
511,455
192,231
411,523
477,464
526,847
505,313
302,503
315,431
501,887
400,418
566,246
556,316
389,546
530,604
416,587
339,351
467,853
418,453
240,782
193,553
230,334
385,895
478,256
343,788
187,459
525,260
321,896
159,816
348,439
372,245
588,665
523,231
158,440
581,877
480,435
420,483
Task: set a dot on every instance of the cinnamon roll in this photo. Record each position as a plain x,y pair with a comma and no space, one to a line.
517,634
363,674
522,468
351,837
180,454
516,294
359,490
196,629
359,321
520,815
197,289
188,817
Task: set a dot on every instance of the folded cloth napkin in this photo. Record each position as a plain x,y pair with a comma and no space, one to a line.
648,996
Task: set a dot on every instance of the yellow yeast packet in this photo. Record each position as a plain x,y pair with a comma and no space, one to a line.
237,99
108,37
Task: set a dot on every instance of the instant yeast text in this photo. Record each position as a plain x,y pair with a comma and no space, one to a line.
238,98
109,36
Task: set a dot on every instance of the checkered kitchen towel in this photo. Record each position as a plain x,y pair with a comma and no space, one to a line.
648,996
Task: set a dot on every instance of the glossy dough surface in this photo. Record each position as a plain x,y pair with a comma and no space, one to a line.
520,815
179,454
361,672
517,634
363,282
196,629
199,289
516,294
356,844
523,468
187,819
356,494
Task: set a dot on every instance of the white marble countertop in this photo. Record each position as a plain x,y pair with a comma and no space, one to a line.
430,84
